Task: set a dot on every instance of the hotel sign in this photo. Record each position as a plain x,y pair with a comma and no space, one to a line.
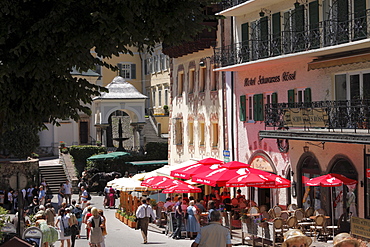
306,117
285,76
360,227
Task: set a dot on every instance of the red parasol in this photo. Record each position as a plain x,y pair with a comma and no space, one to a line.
330,180
202,166
279,182
235,165
255,178
218,176
182,188
160,182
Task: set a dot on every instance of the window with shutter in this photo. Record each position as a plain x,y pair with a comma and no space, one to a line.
276,34
274,98
242,108
125,70
245,42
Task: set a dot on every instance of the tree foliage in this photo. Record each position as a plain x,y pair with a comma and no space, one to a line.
40,41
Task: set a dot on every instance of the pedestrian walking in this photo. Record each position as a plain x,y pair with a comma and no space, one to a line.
30,194
50,214
192,223
179,216
84,197
74,225
42,195
60,194
63,222
104,227
68,192
214,234
143,213
95,223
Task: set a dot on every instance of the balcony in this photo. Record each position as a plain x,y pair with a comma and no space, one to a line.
351,114
204,40
226,4
327,33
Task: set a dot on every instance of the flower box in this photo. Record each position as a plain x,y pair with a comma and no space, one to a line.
131,224
125,220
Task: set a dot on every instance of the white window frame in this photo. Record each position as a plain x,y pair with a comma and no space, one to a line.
348,84
125,70
250,108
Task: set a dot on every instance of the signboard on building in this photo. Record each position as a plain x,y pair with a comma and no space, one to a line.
226,156
360,227
306,117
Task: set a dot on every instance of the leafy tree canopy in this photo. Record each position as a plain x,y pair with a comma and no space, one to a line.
40,41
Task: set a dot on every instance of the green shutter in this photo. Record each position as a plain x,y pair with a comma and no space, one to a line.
291,98
359,7
314,24
274,98
133,71
245,32
307,95
276,33
243,108
314,14
258,112
245,42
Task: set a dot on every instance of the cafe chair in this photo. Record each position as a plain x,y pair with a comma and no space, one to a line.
277,211
291,222
253,210
309,212
292,207
319,228
284,216
271,213
335,229
299,214
319,211
278,231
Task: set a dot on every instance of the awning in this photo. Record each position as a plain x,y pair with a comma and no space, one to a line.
339,59
109,156
149,163
361,137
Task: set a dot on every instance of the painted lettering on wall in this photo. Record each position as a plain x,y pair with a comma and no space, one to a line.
285,76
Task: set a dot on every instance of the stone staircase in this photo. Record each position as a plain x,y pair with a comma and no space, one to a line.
150,133
54,175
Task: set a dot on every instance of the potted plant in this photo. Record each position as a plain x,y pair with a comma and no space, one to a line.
165,109
132,221
98,143
62,144
118,213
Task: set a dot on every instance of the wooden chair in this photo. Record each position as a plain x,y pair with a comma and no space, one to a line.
292,207
284,216
319,211
309,212
253,210
278,231
291,222
299,214
277,211
319,228
271,213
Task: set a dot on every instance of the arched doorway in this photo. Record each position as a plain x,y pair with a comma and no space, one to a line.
308,196
262,161
344,197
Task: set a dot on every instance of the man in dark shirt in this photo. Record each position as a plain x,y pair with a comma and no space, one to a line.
178,216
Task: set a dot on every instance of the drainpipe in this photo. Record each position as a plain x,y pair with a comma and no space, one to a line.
232,22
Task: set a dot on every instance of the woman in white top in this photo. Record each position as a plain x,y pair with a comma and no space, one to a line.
63,221
96,222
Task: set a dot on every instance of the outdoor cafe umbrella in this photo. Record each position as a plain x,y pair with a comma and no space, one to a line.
182,188
222,174
201,166
331,180
160,182
109,156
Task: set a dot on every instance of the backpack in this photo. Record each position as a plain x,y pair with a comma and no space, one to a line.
88,196
77,212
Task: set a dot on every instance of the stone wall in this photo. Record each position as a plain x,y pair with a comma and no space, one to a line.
23,173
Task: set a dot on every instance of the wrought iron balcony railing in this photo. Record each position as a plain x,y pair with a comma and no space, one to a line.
326,33
351,114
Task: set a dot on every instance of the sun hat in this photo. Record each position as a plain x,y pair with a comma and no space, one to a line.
294,235
345,238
